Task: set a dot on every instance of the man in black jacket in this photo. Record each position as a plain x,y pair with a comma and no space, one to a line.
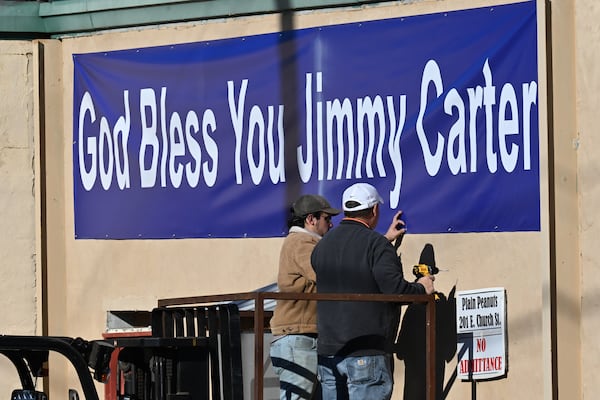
355,338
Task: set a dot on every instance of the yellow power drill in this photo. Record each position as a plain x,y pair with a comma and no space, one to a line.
421,270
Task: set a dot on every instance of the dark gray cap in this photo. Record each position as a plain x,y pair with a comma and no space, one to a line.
312,203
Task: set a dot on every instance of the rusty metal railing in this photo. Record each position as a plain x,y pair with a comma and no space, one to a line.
259,323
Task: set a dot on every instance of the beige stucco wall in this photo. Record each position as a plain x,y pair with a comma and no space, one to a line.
586,143
19,274
115,275
17,245
86,278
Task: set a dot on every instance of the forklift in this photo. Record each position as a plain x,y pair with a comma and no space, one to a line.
194,353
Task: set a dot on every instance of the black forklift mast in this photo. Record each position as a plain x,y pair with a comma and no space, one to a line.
194,353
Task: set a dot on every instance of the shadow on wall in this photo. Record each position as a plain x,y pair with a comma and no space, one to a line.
410,345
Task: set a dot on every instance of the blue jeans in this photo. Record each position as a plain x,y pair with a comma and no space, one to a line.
356,378
294,359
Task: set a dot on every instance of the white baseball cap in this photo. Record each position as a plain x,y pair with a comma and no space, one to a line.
360,196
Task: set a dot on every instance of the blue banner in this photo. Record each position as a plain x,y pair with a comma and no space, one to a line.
216,139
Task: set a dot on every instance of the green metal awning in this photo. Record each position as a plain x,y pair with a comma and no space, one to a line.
66,17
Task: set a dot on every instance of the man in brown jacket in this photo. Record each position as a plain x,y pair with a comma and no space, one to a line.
294,323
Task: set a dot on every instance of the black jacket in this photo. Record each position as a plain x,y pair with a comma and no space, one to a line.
352,258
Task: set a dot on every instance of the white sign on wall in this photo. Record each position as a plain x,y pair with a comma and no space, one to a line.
481,328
